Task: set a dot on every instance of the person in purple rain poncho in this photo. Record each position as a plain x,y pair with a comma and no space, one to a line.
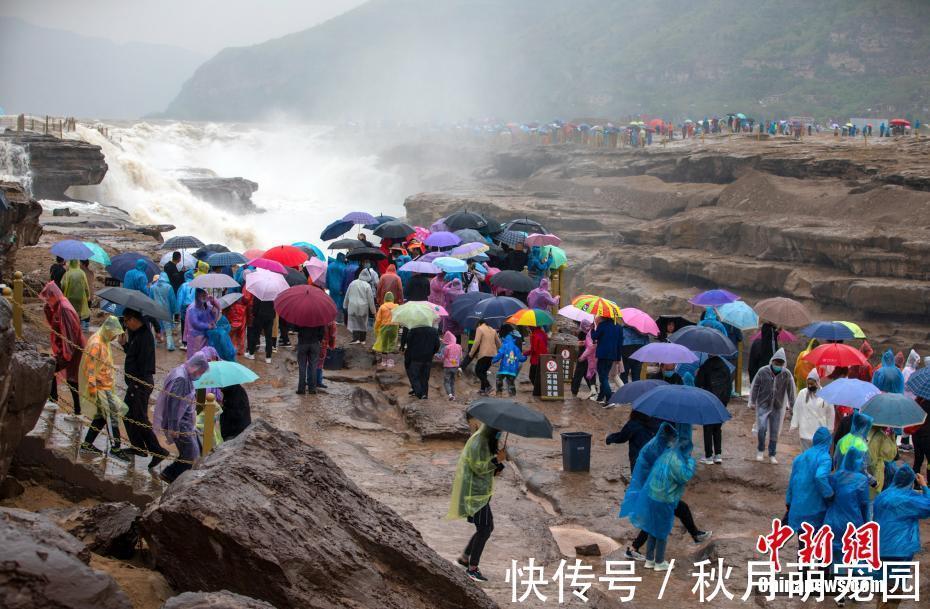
201,316
176,417
541,297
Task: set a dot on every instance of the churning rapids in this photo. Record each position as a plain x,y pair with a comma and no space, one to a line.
307,176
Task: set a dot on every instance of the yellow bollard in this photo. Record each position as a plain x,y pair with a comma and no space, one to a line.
209,420
739,368
18,303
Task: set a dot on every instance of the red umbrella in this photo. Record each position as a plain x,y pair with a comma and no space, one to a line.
288,255
899,121
836,354
305,305
656,123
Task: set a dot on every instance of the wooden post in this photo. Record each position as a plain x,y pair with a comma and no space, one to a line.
46,124
61,132
739,368
209,421
21,123
18,303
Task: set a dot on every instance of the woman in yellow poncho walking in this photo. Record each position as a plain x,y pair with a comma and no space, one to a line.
76,289
96,385
385,328
471,493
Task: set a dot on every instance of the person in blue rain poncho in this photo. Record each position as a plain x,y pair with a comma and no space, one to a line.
809,487
536,265
185,298
654,511
850,498
335,279
898,511
163,294
218,338
509,356
857,438
136,279
710,320
647,457
888,377
400,261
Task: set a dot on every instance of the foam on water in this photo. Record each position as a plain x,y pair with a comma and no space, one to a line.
305,181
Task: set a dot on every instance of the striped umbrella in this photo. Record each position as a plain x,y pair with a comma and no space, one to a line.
181,242
530,317
919,383
597,306
226,259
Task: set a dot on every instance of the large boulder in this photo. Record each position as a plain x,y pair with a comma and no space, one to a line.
224,599
273,518
42,566
25,380
110,529
19,225
57,164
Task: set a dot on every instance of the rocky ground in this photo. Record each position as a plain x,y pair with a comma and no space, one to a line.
403,453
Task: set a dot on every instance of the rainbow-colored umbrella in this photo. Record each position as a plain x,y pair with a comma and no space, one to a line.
530,317
597,306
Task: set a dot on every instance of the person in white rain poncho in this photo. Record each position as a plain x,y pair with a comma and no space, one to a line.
359,302
772,390
810,411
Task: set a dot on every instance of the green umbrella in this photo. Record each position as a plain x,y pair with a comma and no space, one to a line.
100,256
224,374
415,314
558,255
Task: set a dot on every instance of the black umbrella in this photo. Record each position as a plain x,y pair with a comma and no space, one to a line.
465,219
464,305
494,226
366,253
295,277
336,230
525,225
181,242
512,417
493,310
212,248
379,220
394,229
513,281
346,244
134,299
680,322
703,340
122,263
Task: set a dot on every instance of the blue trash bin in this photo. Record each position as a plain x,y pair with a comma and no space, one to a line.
576,451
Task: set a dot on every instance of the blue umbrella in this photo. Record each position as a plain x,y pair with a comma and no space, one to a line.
703,340
828,330
336,229
463,305
919,383
630,392
305,245
714,298
894,410
682,404
849,392
122,263
739,315
99,255
451,265
226,259
379,220
494,311
224,374
70,249
664,353
208,250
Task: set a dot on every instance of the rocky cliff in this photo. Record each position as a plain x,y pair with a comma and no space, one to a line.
19,225
57,164
233,194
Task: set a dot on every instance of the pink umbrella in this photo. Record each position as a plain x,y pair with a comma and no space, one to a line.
253,253
421,233
265,285
268,265
316,268
542,240
783,337
575,314
441,311
640,320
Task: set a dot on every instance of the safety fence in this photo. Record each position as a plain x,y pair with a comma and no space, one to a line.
204,402
48,125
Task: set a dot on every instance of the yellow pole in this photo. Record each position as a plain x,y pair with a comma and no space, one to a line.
209,419
18,303
739,368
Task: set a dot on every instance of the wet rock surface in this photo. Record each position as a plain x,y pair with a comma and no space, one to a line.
268,503
107,528
57,164
43,566
19,225
223,599
232,194
437,419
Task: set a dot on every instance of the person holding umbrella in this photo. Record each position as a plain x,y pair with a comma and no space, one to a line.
714,376
479,462
586,367
539,345
608,336
772,390
422,345
201,316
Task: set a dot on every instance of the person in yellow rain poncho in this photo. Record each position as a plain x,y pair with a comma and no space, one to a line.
76,289
202,268
802,367
882,449
472,488
96,385
385,329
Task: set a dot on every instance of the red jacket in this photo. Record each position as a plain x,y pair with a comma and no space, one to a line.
539,345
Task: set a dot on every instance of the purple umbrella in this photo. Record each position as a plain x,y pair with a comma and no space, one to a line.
420,266
215,281
359,217
442,239
430,256
664,353
438,225
269,265
468,250
70,249
714,298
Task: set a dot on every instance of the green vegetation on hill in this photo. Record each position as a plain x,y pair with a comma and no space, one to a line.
525,59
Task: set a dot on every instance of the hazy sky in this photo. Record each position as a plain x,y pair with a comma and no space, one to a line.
202,25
